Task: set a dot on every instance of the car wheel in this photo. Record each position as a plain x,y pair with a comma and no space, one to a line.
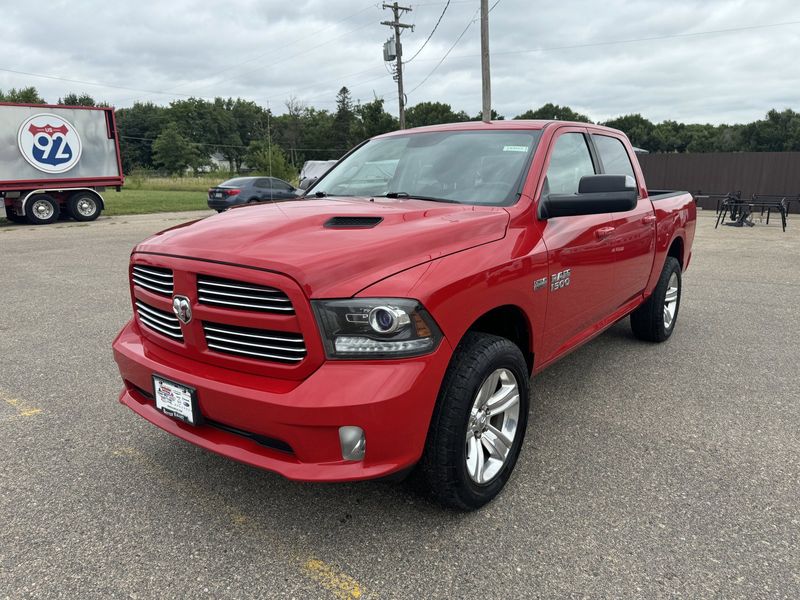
479,422
83,206
654,321
42,209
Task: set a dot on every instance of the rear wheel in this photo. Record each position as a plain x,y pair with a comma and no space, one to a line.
42,209
654,321
84,206
479,422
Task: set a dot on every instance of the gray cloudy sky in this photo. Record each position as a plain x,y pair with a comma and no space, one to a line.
558,52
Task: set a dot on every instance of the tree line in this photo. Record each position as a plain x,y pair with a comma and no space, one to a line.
186,134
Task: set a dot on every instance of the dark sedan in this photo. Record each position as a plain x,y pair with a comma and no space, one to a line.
244,190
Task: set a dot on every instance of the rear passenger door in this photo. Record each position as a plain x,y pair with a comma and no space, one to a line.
281,189
633,238
578,249
263,187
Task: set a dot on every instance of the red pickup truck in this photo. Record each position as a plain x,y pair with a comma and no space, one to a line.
393,317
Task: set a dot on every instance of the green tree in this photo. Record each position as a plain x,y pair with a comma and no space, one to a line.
73,99
554,111
433,113
638,129
269,159
375,120
138,126
496,116
28,95
174,152
345,124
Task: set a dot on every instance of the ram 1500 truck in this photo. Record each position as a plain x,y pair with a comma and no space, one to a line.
394,316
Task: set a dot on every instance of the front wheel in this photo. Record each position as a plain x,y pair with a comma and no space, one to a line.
479,422
42,209
654,321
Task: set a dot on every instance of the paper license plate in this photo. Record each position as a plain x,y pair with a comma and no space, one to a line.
217,195
176,400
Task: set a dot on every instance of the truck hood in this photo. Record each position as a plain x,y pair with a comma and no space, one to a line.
333,247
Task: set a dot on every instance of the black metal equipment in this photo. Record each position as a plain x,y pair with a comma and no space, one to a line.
741,211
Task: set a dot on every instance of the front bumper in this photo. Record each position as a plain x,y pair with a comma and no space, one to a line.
392,401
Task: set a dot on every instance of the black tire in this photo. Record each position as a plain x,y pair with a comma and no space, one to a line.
648,322
220,210
42,209
13,217
444,462
84,206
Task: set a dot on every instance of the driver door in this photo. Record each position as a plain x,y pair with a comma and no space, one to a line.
579,251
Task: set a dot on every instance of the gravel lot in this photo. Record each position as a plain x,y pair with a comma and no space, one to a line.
648,471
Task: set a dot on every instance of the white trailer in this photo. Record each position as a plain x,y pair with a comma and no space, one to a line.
56,161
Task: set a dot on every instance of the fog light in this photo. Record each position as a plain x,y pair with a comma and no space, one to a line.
353,442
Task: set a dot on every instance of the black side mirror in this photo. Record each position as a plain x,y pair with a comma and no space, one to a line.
307,182
597,194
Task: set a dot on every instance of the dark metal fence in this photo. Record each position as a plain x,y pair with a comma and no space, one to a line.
775,173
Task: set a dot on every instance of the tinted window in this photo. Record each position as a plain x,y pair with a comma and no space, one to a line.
237,182
281,186
613,155
569,162
262,183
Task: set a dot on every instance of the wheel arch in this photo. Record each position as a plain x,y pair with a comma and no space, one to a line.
511,322
676,250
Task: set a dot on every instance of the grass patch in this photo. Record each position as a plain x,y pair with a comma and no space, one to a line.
175,184
137,202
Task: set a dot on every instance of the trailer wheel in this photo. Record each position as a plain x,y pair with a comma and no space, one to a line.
83,206
42,209
14,217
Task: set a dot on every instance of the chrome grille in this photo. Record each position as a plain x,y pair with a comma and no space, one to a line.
155,279
243,296
158,320
259,344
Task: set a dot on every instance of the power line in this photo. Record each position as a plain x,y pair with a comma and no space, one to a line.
446,54
425,43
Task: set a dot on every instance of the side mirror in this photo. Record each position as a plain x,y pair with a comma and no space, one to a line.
597,194
306,183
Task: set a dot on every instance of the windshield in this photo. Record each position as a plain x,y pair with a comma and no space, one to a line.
468,167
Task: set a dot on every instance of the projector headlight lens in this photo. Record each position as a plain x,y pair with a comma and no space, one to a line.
368,328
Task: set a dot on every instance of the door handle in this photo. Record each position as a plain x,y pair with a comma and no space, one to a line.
647,219
604,232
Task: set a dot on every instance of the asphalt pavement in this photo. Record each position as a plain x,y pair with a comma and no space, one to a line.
648,471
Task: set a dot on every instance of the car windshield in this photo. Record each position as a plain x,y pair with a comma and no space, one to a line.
236,182
468,167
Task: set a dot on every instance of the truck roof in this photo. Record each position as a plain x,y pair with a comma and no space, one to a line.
495,126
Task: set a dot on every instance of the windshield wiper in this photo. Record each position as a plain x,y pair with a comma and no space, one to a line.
406,195
320,194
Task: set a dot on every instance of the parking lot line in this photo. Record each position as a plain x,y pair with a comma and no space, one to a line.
341,585
22,409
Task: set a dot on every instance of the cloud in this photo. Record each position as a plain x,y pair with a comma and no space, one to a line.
558,52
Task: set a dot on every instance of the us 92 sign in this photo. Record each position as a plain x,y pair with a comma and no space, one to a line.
49,143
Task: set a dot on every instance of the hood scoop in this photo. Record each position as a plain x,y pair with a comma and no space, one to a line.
352,222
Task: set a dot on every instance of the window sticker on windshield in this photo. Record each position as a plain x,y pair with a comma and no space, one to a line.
515,148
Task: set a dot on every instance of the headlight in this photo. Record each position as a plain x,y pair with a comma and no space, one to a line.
375,328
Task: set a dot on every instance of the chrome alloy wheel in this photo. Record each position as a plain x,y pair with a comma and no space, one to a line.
42,209
671,300
86,206
492,426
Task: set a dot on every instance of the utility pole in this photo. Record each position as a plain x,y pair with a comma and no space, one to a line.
398,50
485,74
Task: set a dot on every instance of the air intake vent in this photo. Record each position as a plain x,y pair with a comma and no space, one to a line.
158,320
352,222
240,295
155,279
258,344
